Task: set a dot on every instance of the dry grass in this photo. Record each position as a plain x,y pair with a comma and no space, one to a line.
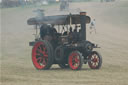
17,67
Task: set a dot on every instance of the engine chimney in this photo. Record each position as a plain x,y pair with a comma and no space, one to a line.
83,25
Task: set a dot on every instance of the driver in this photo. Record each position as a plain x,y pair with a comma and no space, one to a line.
46,32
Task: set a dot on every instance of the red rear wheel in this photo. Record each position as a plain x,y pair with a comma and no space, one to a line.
41,55
75,60
95,60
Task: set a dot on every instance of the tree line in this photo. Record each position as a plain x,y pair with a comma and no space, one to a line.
16,3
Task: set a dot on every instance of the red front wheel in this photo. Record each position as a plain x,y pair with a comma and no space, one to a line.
75,60
41,55
95,60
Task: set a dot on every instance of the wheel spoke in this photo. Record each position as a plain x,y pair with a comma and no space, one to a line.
39,60
95,64
43,48
39,47
44,62
94,60
39,50
38,54
42,51
46,56
76,60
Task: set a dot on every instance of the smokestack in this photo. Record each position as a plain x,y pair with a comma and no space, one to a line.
83,24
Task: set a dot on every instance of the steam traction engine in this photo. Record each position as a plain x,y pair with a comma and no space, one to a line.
60,42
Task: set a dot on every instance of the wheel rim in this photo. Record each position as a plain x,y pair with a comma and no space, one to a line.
94,60
39,55
74,61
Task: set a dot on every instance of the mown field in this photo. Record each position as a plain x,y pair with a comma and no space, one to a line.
112,31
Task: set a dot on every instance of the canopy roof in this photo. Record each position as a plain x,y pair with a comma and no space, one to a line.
57,20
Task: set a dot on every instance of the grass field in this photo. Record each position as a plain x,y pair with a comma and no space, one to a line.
112,31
